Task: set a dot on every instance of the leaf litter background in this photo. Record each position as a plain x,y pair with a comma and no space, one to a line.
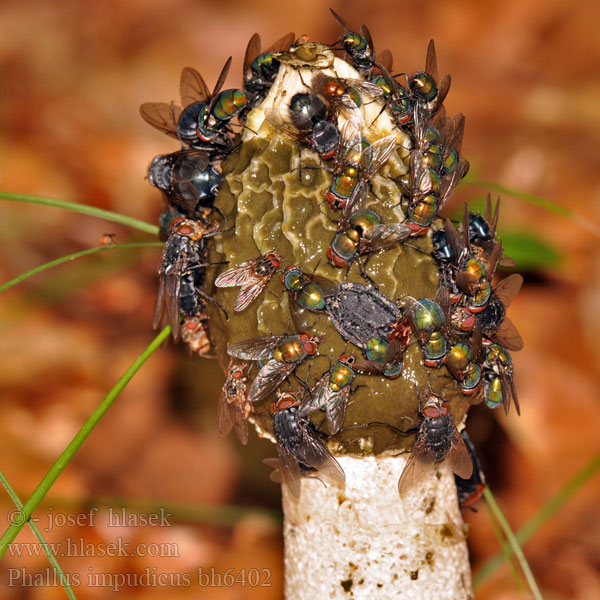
525,74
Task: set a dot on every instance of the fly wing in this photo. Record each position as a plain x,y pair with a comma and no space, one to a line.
419,177
385,59
172,289
452,133
221,80
419,463
290,470
458,457
162,116
509,391
381,151
248,294
255,348
240,275
508,288
282,44
339,19
450,181
364,31
386,235
269,378
337,402
239,422
252,51
507,335
316,398
314,453
277,120
224,421
431,60
275,464
456,242
192,87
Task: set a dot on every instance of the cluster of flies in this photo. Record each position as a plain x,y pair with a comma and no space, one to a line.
463,328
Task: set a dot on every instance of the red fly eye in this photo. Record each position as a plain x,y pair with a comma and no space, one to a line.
445,410
274,260
305,337
185,229
237,374
431,412
273,407
286,402
310,348
344,358
331,198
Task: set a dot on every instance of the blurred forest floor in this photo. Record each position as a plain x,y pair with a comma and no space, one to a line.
527,77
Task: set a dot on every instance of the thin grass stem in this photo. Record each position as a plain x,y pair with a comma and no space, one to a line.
513,543
38,534
69,257
504,547
84,209
543,515
68,453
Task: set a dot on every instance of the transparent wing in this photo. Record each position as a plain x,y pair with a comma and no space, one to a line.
240,275
458,457
221,80
255,348
315,454
277,120
290,470
431,60
452,134
162,116
450,181
386,235
269,378
224,421
508,288
340,20
507,335
252,51
380,153
385,59
283,43
248,294
239,422
192,87
275,464
364,31
418,465
337,402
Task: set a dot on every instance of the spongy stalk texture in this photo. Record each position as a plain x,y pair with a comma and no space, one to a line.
367,542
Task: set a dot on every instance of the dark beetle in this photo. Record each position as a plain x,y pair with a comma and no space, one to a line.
361,313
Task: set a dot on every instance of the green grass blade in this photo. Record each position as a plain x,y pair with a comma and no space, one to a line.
69,257
504,547
544,203
513,543
68,453
38,534
84,209
543,515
